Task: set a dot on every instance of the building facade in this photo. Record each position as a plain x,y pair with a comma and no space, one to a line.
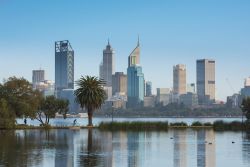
119,83
205,81
163,96
135,79
148,88
191,88
37,77
64,66
179,79
108,66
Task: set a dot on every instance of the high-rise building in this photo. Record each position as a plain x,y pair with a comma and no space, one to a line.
148,88
119,83
37,76
135,79
101,70
179,79
108,66
64,66
205,80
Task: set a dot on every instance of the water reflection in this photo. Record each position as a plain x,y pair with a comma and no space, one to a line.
180,148
91,147
206,148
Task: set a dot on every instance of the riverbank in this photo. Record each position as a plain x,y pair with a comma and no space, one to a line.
148,126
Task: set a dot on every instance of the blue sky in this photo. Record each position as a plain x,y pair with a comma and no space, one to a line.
171,32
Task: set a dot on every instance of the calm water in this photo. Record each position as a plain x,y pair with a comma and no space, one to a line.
73,148
96,121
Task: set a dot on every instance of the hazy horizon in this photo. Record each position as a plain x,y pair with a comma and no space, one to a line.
170,33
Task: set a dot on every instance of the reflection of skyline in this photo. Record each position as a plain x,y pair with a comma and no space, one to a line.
205,150
64,149
123,149
180,148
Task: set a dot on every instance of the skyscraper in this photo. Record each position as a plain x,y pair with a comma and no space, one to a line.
64,66
119,83
101,70
148,88
205,80
37,76
135,79
179,79
108,64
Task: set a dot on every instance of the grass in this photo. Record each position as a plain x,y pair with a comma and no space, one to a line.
228,126
179,124
136,126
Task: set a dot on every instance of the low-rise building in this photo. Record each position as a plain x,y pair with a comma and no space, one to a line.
149,101
189,99
163,96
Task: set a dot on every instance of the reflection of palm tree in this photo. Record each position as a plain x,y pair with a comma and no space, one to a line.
90,94
91,159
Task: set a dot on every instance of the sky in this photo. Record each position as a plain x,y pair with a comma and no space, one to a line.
171,32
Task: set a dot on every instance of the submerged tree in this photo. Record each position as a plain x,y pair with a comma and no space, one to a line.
90,95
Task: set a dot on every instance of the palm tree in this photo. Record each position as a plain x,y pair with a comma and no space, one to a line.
90,94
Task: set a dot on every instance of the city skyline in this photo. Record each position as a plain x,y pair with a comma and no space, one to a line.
172,33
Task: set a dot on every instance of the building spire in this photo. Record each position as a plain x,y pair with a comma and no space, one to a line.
108,41
138,42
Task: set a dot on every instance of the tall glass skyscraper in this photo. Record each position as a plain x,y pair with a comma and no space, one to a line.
135,79
205,80
64,66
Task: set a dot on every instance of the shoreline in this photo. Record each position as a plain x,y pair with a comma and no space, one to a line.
219,125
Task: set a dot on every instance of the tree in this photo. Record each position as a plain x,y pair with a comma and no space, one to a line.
245,107
90,95
22,100
7,118
49,107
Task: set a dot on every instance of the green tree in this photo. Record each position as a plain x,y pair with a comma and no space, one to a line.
21,98
7,118
49,107
90,95
245,107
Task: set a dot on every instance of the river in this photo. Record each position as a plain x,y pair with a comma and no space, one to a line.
94,148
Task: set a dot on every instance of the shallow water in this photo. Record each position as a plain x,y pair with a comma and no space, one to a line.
96,121
177,148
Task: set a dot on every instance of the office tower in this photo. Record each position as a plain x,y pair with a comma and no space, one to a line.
64,66
148,88
205,78
179,79
37,77
135,79
108,66
101,70
119,83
